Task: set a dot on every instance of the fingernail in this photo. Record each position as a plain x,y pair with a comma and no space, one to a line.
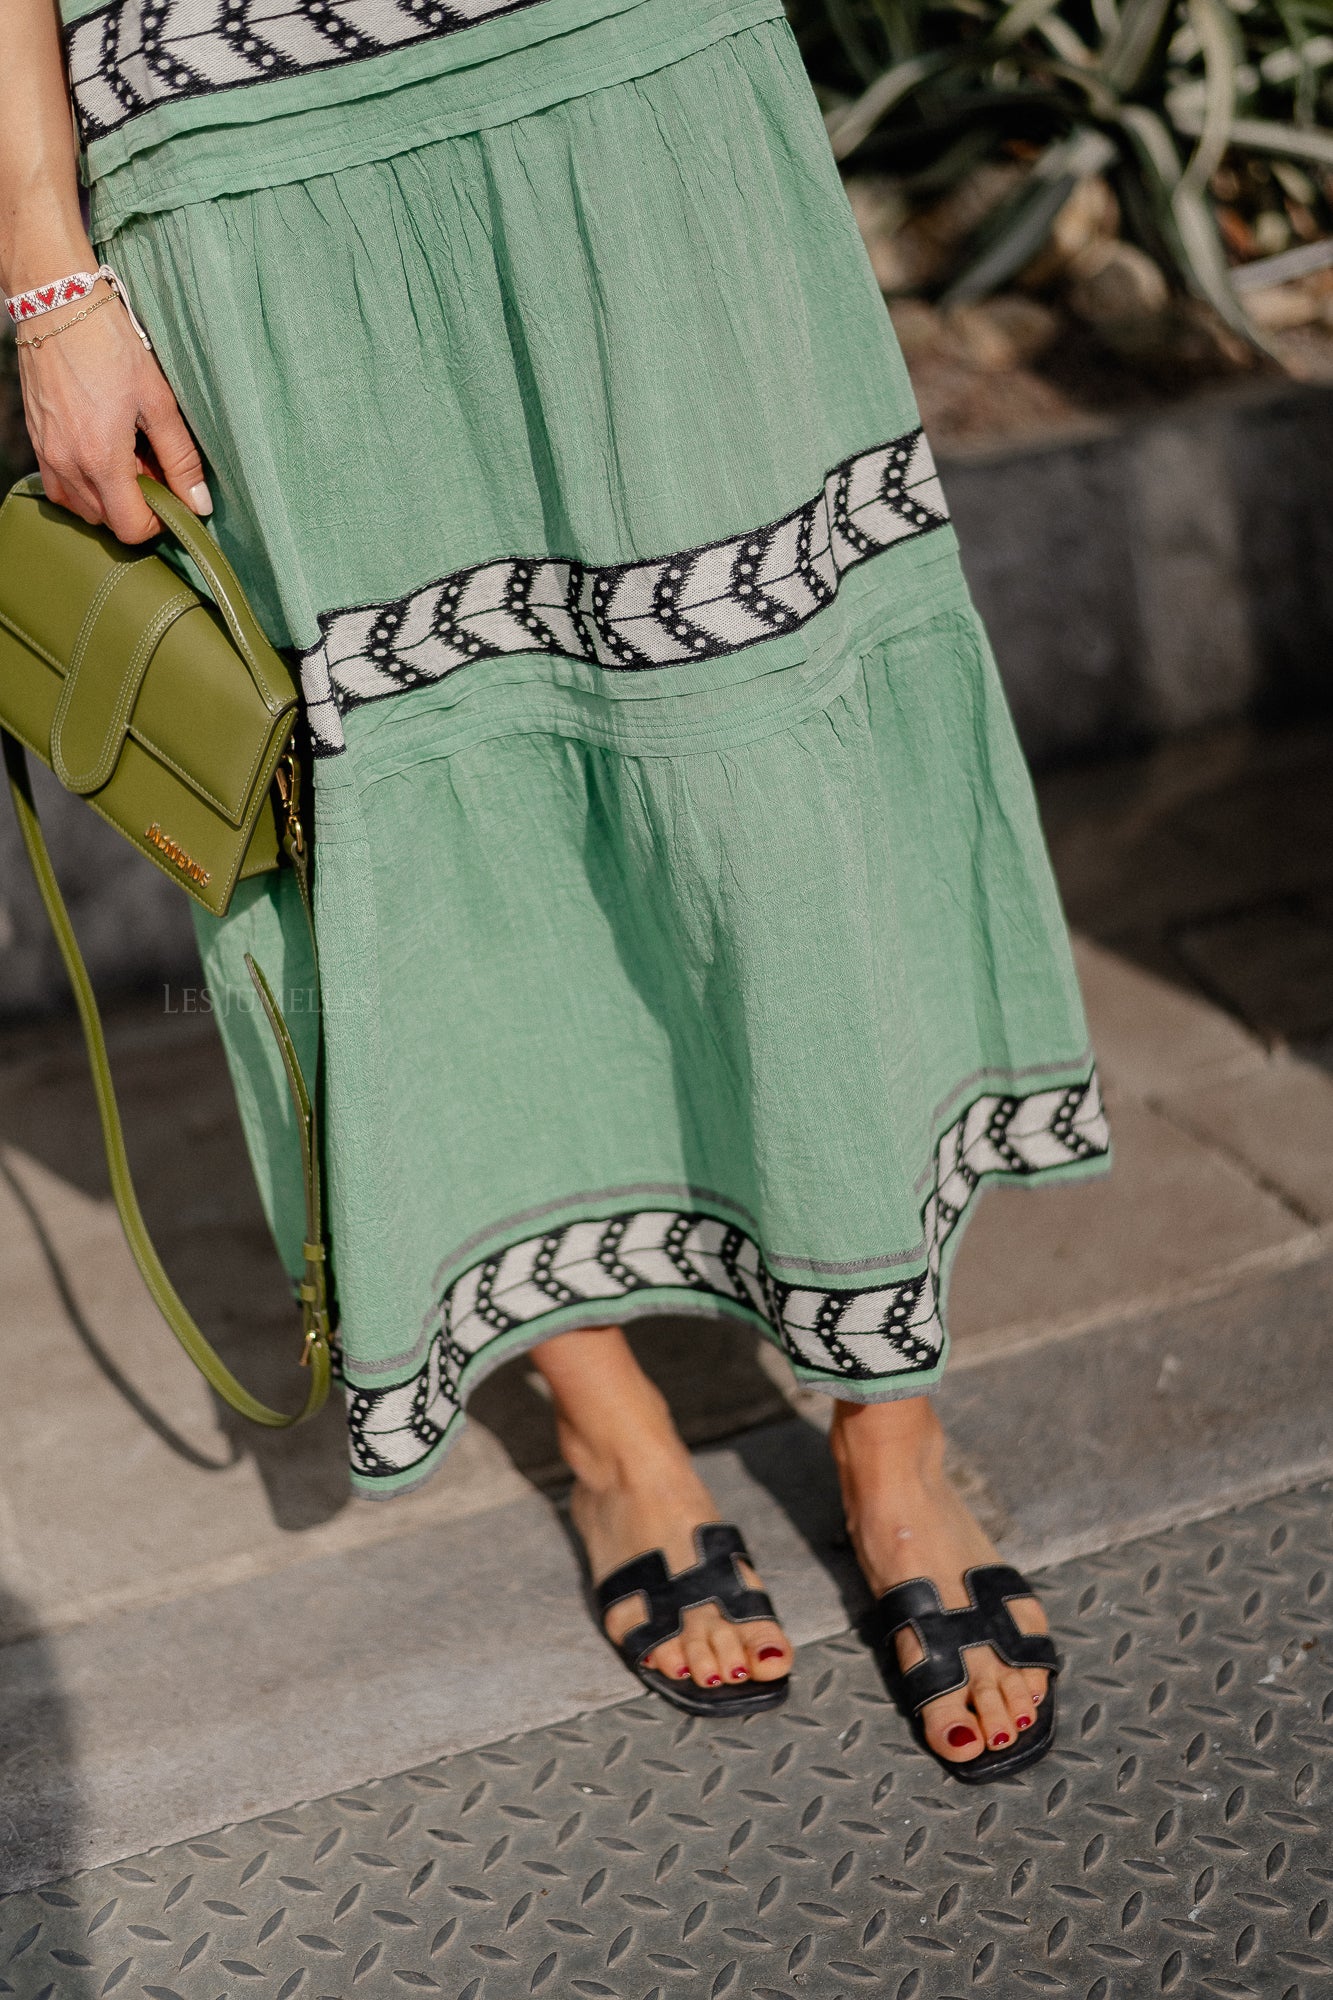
770,1652
1025,1722
739,1674
961,1734
201,499
998,1740
713,1681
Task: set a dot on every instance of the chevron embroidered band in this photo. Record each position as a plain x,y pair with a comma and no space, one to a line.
132,55
872,1332
695,604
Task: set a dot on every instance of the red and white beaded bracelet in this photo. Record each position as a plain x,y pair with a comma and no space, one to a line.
64,292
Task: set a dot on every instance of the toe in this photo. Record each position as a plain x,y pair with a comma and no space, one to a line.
993,1713
669,1659
1017,1699
729,1651
767,1651
1036,1684
952,1729
703,1661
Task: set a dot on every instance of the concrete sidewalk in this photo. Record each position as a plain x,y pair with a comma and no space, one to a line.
201,1625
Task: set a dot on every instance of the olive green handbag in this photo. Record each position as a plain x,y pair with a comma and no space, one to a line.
168,710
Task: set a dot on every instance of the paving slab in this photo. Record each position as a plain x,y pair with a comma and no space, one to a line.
1151,1034
1174,1841
1174,1218
1193,828
1277,1120
1164,1417
158,1723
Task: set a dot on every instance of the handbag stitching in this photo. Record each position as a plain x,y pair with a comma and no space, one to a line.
146,847
136,840
163,619
279,713
144,742
33,645
110,583
223,583
228,812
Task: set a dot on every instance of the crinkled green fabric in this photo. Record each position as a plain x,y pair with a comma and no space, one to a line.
747,938
193,149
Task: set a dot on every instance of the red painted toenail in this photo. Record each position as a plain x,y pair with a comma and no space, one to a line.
1001,1738
682,1673
960,1734
713,1681
739,1674
770,1652
1025,1722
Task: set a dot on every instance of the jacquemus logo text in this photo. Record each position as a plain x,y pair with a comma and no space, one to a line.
177,855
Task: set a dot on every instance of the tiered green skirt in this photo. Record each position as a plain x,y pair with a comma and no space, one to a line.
687,935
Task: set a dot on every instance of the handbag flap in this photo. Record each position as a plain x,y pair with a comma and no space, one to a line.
119,645
121,629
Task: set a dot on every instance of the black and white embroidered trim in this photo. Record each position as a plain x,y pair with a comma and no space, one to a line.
136,54
849,1335
693,605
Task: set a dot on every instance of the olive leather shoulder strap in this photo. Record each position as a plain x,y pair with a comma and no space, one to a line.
315,1354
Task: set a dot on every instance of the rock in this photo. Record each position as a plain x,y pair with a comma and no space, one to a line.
1116,281
1091,215
1185,342
966,206
1002,333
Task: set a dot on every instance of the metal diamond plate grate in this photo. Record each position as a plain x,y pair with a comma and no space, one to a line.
1178,1841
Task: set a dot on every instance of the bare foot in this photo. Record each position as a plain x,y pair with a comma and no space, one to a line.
635,1488
906,1520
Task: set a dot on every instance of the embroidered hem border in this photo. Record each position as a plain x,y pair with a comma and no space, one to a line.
883,1333
132,55
695,604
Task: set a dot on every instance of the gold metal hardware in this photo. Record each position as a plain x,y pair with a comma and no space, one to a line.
175,853
288,777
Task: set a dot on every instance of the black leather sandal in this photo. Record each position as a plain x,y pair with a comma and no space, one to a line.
944,1636
714,1579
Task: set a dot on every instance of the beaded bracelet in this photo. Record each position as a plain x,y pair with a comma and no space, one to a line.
40,339
64,291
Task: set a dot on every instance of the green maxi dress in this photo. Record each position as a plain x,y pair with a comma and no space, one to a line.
687,936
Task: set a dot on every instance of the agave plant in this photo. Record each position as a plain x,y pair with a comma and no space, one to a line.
1159,94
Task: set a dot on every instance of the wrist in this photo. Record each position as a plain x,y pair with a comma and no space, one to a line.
45,248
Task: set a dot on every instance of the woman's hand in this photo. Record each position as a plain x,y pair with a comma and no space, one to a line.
99,411
98,408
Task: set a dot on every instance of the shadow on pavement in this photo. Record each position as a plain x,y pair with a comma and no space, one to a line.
202,1210
1208,860
40,1818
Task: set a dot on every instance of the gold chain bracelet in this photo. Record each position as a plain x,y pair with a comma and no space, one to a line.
37,339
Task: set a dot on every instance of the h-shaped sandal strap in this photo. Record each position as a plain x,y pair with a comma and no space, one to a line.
714,1579
986,1621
